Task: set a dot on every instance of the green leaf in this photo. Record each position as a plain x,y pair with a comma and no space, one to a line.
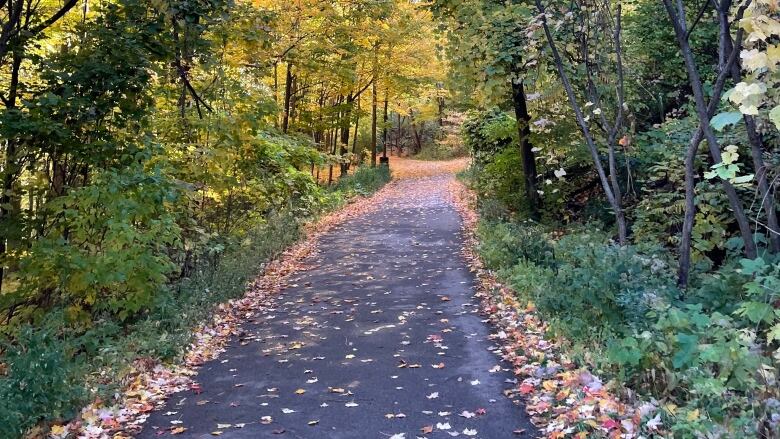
774,116
752,266
742,179
688,345
757,312
774,333
721,120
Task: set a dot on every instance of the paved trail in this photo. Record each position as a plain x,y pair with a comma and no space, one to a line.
379,338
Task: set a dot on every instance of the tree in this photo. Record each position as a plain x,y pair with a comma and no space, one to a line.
597,40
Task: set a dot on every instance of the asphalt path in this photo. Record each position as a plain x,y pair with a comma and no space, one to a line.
378,338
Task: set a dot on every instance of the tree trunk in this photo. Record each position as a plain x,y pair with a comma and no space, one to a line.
373,125
617,208
345,125
526,148
756,151
384,129
735,202
690,211
10,168
287,94
276,93
355,137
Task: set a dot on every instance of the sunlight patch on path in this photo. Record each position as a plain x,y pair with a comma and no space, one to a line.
403,167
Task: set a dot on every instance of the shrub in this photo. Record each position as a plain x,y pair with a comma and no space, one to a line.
51,371
42,381
364,181
579,282
106,248
504,245
605,285
486,133
703,353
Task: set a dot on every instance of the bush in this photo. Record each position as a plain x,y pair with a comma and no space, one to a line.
43,380
107,249
580,282
700,352
606,285
504,245
364,181
486,133
442,151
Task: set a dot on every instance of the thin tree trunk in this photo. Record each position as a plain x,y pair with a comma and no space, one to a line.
398,136
373,125
10,166
764,191
384,129
528,157
345,125
276,93
287,94
355,137
605,183
680,29
756,149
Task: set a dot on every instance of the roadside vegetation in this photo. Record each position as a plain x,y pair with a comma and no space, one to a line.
154,155
625,161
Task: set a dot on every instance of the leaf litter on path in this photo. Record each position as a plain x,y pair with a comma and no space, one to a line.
563,399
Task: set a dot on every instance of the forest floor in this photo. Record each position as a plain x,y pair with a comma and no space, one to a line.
378,335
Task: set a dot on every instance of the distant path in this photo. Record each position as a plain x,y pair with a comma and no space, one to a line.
379,338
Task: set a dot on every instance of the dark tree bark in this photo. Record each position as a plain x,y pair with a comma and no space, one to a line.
384,129
287,95
373,125
276,92
10,167
526,148
355,137
345,125
733,47
677,17
689,217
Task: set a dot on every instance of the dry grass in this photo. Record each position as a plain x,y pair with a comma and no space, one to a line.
403,167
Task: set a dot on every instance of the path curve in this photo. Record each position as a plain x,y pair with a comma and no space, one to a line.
379,338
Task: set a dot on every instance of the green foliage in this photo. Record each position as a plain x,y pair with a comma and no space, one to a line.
441,151
364,181
622,315
762,292
49,368
653,57
579,281
107,246
43,381
504,245
486,133
658,215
